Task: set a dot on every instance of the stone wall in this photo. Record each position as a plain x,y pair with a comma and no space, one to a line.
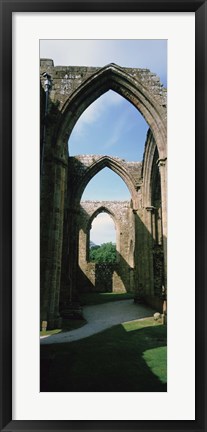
64,179
82,168
66,79
91,274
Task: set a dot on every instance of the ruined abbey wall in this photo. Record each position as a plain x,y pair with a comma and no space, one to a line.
66,79
91,277
82,168
63,180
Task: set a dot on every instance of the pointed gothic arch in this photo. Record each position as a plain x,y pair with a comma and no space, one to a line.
113,77
97,212
117,168
102,209
122,269
73,90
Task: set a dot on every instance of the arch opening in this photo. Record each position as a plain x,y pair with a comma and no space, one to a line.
112,77
95,165
102,239
110,125
112,252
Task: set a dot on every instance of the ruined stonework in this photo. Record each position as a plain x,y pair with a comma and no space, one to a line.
82,168
121,272
141,223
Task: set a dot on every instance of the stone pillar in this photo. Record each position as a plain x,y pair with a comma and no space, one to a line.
73,246
159,226
82,259
139,255
162,163
150,244
51,286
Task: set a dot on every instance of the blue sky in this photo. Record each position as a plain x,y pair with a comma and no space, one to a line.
140,53
111,125
112,187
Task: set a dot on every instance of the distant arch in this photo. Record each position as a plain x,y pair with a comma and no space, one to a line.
115,166
102,209
97,212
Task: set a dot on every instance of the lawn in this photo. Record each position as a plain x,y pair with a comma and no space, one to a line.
127,357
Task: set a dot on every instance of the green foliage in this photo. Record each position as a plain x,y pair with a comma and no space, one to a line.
106,253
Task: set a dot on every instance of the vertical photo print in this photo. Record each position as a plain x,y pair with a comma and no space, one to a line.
103,215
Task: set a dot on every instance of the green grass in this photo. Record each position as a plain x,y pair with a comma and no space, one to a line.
156,361
99,298
49,332
127,357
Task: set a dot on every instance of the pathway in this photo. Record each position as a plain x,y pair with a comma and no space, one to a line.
101,317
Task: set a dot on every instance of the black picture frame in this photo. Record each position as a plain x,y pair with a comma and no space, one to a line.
7,8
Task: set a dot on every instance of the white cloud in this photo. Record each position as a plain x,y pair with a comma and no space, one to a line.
89,116
70,52
103,229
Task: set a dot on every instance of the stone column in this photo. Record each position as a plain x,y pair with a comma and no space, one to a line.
139,255
82,255
51,286
150,243
162,163
159,226
73,252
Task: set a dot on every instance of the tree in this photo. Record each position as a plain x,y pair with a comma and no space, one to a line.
105,253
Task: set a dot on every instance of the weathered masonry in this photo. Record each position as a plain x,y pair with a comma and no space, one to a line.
141,223
117,277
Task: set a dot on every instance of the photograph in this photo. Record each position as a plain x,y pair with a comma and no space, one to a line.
103,222
103,215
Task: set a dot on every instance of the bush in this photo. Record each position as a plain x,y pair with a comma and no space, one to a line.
106,253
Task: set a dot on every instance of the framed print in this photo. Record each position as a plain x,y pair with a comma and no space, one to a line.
142,367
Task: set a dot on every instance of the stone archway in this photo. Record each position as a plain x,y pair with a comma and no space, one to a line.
120,271
136,87
81,170
73,90
91,165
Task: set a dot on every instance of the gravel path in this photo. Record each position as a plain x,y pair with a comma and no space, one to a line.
101,317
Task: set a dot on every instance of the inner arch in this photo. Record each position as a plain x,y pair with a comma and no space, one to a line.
115,166
106,185
102,229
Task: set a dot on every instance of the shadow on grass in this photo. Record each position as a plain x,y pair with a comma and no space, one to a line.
116,360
